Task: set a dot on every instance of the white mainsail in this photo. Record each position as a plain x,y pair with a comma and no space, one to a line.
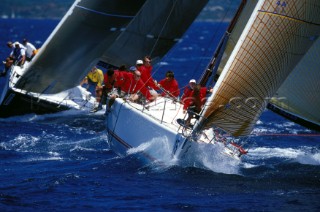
277,35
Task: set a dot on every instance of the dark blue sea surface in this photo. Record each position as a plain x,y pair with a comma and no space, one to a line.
62,162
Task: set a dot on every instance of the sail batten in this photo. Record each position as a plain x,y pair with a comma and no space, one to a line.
272,43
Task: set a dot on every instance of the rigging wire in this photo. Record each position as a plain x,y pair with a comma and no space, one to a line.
158,37
222,20
163,27
211,42
213,38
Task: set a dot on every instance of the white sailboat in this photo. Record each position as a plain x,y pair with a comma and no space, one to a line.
15,101
76,45
267,43
91,32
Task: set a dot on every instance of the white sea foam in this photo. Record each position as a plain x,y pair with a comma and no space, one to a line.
269,152
204,156
55,154
213,158
83,149
22,143
249,165
259,122
311,159
159,147
43,159
303,155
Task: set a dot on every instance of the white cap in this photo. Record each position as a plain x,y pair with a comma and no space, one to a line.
193,81
139,62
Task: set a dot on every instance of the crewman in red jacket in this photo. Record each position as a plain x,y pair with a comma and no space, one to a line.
194,102
146,72
187,91
169,85
134,86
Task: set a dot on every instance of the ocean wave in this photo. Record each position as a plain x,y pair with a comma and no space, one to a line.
302,155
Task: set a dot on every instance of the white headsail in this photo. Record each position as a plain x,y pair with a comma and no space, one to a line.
276,37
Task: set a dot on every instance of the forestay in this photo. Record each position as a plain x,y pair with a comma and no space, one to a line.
277,35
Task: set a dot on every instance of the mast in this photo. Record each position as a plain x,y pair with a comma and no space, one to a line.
208,73
219,50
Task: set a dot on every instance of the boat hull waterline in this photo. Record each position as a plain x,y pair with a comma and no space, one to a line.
153,132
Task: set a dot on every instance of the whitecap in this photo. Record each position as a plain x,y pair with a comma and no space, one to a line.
309,159
303,155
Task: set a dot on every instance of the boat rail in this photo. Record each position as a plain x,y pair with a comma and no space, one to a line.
161,104
164,104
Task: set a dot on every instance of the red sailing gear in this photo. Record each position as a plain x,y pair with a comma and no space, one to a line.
170,86
146,76
198,101
131,85
109,81
186,93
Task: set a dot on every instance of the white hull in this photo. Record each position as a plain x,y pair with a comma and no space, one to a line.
154,132
129,127
15,101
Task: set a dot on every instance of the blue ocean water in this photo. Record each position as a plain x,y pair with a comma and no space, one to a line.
62,162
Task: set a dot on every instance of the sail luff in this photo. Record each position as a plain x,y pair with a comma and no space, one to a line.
212,68
267,51
236,32
209,104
